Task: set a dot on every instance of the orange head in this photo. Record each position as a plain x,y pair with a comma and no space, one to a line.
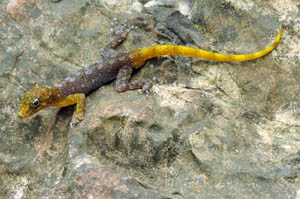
34,100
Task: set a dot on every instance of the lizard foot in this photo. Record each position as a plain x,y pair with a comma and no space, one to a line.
121,32
76,119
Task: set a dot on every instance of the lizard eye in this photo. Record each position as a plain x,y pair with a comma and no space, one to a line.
35,103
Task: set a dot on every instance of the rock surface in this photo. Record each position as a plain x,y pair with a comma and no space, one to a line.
210,130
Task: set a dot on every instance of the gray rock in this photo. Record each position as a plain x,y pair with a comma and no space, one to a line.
209,130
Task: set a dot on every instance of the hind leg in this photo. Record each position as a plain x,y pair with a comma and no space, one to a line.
123,78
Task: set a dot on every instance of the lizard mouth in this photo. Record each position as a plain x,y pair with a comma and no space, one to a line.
21,115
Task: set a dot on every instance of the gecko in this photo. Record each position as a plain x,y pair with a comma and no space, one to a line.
114,65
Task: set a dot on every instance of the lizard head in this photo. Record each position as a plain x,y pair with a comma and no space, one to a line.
34,100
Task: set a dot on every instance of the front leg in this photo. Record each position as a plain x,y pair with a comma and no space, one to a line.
77,99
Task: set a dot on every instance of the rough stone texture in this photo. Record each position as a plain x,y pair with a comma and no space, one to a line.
210,130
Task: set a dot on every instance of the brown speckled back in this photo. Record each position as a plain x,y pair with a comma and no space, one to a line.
93,76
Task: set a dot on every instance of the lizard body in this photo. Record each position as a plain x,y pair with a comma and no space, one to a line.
73,89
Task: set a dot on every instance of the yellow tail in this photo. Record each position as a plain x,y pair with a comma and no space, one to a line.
140,55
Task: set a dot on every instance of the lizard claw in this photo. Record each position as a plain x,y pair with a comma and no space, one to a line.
74,123
76,119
